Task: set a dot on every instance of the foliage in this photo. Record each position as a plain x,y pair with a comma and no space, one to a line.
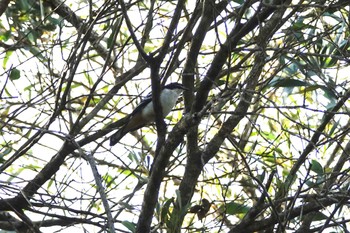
259,141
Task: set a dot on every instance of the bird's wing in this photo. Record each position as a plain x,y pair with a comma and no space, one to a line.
132,122
142,104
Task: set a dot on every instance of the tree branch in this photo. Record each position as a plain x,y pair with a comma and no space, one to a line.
3,6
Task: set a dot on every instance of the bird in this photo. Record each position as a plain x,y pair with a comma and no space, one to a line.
144,114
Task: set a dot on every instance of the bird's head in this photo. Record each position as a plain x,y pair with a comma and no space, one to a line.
175,86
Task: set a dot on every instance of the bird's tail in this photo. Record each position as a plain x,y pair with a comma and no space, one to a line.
115,138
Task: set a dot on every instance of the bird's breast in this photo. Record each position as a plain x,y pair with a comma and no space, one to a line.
168,100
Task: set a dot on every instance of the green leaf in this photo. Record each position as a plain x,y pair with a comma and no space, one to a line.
334,127
261,177
317,167
298,26
131,226
233,208
88,78
48,27
37,53
287,83
32,37
240,2
108,179
164,216
292,69
49,184
4,153
15,74
311,184
134,157
115,31
5,36
6,58
178,198
332,61
319,216
24,5
125,205
331,96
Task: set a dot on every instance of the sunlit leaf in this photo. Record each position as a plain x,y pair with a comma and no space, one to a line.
334,127
88,78
164,216
7,151
233,208
6,58
5,36
49,184
37,53
298,26
4,113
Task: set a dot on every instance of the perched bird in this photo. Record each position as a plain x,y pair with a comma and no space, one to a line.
144,114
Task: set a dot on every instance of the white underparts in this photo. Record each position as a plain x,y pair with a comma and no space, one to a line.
168,100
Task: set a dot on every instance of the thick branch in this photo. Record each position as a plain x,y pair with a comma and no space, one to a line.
175,137
3,6
311,207
192,171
